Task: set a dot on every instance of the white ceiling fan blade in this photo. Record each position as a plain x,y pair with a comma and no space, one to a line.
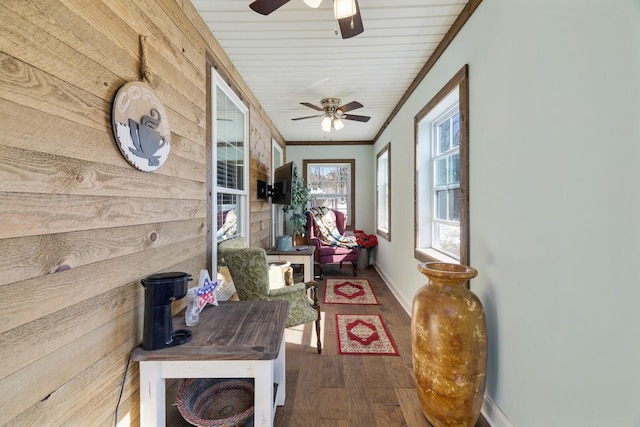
313,3
344,8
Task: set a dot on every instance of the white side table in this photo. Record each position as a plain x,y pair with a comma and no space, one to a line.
217,349
297,255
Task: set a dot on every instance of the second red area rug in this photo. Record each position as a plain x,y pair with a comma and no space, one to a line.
362,334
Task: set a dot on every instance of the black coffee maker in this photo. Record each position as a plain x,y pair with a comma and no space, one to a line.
160,290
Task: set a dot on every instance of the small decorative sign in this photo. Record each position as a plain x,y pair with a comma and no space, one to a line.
206,289
140,126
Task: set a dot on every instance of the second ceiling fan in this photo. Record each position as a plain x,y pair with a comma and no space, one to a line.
333,113
347,13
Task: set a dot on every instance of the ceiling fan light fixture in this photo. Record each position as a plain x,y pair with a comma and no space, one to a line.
334,113
326,124
313,3
344,8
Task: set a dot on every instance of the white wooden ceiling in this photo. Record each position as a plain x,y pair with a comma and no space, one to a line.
293,55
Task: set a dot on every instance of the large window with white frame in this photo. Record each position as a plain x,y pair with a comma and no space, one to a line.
230,160
445,191
383,192
442,174
331,184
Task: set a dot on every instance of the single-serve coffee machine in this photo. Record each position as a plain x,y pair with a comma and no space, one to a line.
160,290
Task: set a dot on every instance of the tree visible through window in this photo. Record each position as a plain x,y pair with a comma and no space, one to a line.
331,185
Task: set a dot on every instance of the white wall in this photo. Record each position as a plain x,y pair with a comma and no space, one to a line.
554,203
365,175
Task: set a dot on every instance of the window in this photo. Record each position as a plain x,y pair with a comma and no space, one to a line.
442,174
331,185
277,215
383,192
230,157
446,183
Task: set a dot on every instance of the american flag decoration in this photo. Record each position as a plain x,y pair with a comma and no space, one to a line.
206,293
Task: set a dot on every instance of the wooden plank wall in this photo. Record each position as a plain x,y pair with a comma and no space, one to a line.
79,227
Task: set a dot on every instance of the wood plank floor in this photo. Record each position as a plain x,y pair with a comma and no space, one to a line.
345,390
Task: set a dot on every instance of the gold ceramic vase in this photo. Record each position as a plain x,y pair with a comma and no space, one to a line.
449,343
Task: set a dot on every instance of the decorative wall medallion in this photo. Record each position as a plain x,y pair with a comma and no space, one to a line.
140,126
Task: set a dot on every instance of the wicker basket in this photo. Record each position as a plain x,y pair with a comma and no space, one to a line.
215,402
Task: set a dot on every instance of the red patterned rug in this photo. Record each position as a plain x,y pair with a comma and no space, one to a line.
349,291
362,334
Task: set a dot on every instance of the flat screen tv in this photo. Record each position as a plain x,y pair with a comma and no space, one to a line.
283,184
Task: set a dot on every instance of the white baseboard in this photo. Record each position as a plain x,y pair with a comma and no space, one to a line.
490,411
403,302
494,416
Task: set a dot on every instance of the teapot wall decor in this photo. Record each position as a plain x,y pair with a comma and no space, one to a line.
140,126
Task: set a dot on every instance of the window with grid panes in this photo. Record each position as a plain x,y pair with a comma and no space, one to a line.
330,185
231,160
446,183
383,192
442,174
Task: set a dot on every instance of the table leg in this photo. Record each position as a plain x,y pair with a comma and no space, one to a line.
152,395
264,398
308,268
280,375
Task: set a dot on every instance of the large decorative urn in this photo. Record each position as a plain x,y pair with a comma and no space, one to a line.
449,343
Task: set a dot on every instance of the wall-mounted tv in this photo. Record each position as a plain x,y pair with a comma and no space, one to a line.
283,184
281,190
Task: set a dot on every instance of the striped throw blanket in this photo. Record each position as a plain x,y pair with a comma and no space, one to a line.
327,231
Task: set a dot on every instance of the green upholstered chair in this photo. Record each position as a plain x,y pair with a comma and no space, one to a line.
236,242
250,273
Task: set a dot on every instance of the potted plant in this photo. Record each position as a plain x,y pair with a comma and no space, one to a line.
298,206
367,244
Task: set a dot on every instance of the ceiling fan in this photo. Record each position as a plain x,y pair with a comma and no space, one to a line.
347,13
334,113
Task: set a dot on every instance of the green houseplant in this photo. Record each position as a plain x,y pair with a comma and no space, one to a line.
298,206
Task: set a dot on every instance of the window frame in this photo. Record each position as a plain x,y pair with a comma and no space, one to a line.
351,205
383,230
423,246
277,214
218,82
436,187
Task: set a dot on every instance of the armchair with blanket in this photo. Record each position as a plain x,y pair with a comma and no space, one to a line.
325,230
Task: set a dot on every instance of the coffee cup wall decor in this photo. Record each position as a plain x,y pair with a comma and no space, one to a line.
140,126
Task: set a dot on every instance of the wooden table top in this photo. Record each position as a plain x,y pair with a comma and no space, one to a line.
234,330
295,250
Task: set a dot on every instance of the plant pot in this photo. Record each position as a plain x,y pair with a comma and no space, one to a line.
283,243
299,240
372,255
363,258
449,343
